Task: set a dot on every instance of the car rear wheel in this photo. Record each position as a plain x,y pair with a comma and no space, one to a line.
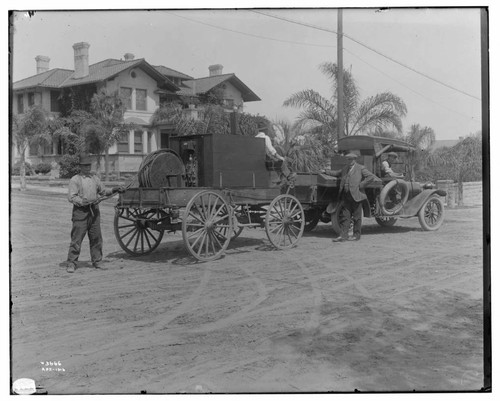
386,221
335,219
431,214
312,219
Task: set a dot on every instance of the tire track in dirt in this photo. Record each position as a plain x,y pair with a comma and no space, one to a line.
134,331
314,318
237,316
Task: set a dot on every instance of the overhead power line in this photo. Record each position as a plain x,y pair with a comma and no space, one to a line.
410,89
246,33
369,48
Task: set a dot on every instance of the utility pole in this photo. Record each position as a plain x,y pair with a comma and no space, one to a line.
340,77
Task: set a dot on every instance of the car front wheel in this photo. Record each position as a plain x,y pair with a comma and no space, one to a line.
431,214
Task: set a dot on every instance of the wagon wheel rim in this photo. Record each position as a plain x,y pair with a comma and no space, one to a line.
132,232
207,226
432,213
285,221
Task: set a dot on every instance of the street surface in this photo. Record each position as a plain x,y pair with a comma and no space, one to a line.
400,310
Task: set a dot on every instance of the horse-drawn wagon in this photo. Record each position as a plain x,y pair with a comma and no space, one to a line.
210,187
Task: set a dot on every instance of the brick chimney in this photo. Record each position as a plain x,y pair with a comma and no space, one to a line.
81,59
128,56
42,64
215,69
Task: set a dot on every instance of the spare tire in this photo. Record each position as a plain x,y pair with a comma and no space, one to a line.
393,197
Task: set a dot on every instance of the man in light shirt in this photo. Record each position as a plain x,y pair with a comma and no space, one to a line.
387,170
273,155
84,191
270,150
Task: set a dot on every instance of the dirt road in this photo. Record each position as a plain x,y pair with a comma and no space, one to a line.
401,310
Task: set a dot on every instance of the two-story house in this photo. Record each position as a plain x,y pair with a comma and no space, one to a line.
144,86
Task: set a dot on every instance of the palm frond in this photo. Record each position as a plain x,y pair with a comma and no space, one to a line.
421,137
383,110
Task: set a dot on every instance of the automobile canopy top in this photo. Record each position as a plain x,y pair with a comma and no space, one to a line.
376,144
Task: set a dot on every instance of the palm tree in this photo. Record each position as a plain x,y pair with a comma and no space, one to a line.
381,111
303,153
422,138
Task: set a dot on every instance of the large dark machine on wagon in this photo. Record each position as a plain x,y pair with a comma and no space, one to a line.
210,187
387,201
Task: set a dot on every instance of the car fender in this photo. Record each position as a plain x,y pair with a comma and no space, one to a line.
411,208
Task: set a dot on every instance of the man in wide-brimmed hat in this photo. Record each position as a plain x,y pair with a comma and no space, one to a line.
354,177
83,192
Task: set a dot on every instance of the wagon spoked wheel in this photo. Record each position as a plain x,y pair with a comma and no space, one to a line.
431,214
285,221
207,226
133,233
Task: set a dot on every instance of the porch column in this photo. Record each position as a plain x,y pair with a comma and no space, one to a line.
145,135
154,145
131,142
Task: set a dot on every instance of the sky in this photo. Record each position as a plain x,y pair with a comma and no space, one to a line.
429,57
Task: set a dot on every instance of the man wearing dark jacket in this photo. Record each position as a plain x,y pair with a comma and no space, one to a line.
354,178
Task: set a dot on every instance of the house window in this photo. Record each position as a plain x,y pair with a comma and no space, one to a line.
140,99
31,99
229,103
20,104
126,93
33,149
123,143
47,149
61,147
54,102
137,141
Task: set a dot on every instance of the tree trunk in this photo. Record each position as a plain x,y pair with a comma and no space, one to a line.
106,167
22,171
460,193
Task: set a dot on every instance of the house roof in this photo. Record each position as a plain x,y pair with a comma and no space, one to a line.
203,85
110,68
169,72
106,69
51,79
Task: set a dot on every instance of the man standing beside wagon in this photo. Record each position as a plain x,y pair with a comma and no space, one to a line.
353,179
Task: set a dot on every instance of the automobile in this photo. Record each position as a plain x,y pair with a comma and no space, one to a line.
387,201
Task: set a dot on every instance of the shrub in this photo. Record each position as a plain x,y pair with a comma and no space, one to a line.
69,166
43,168
16,170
